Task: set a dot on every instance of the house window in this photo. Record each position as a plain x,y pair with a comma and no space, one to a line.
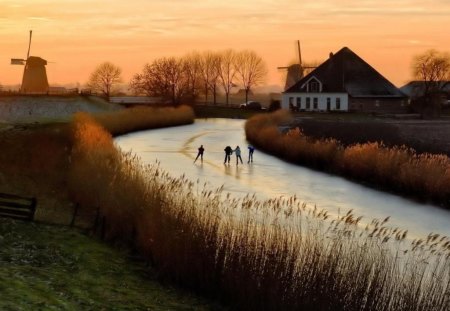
328,103
314,86
338,103
308,103
315,102
299,103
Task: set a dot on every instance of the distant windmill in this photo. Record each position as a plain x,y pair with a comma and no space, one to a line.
34,75
295,72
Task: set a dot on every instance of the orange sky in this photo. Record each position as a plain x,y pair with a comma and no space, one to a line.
77,35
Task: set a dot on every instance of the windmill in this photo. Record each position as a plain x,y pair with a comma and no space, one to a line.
295,72
34,78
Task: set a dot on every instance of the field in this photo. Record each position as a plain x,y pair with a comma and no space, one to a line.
422,135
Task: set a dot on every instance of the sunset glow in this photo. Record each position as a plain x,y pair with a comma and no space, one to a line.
76,35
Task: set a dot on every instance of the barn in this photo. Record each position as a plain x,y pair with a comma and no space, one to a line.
344,82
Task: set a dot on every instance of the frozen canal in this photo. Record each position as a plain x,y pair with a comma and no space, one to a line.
176,149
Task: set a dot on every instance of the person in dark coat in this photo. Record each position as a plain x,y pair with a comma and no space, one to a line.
228,153
251,149
200,153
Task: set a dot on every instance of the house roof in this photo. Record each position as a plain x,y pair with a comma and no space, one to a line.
417,88
346,72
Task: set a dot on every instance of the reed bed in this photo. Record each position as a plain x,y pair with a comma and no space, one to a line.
142,118
401,169
276,254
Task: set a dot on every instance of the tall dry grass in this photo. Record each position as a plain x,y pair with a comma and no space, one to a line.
255,255
141,118
401,169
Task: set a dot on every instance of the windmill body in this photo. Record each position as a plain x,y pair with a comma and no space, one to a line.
295,72
34,78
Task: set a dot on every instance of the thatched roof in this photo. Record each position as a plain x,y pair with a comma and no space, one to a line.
346,72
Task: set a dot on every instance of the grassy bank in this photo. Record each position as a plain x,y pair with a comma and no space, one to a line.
253,255
398,169
56,268
51,267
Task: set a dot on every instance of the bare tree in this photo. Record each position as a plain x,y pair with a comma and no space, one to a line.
210,63
227,71
251,70
193,69
104,78
433,68
164,77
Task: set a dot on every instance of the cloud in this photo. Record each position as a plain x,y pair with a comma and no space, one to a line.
390,11
39,18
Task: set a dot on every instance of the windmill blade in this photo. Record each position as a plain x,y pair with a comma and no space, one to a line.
17,61
299,53
29,44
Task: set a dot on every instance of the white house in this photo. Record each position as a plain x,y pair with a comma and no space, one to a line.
344,82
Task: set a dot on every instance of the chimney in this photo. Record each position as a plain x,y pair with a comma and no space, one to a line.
331,54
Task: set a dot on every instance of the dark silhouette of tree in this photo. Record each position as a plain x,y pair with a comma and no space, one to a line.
210,64
164,77
104,78
251,70
193,70
227,71
433,69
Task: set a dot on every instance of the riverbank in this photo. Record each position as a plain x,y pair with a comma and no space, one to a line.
189,236
54,266
424,136
396,169
277,254
48,267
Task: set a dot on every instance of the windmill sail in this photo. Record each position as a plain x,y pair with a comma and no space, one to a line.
17,61
34,80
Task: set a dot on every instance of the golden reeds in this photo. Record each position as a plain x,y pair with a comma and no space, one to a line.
277,254
426,176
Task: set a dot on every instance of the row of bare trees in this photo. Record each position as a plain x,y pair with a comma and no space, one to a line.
188,77
196,74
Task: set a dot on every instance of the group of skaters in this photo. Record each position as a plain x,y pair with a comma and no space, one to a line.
228,152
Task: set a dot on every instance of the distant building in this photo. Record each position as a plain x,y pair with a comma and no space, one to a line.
344,82
416,89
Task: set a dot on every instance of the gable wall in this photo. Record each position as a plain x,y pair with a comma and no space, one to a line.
321,101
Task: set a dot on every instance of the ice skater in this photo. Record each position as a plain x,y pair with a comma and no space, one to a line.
228,153
237,151
251,149
200,153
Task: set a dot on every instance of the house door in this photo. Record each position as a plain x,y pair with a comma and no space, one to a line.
328,104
